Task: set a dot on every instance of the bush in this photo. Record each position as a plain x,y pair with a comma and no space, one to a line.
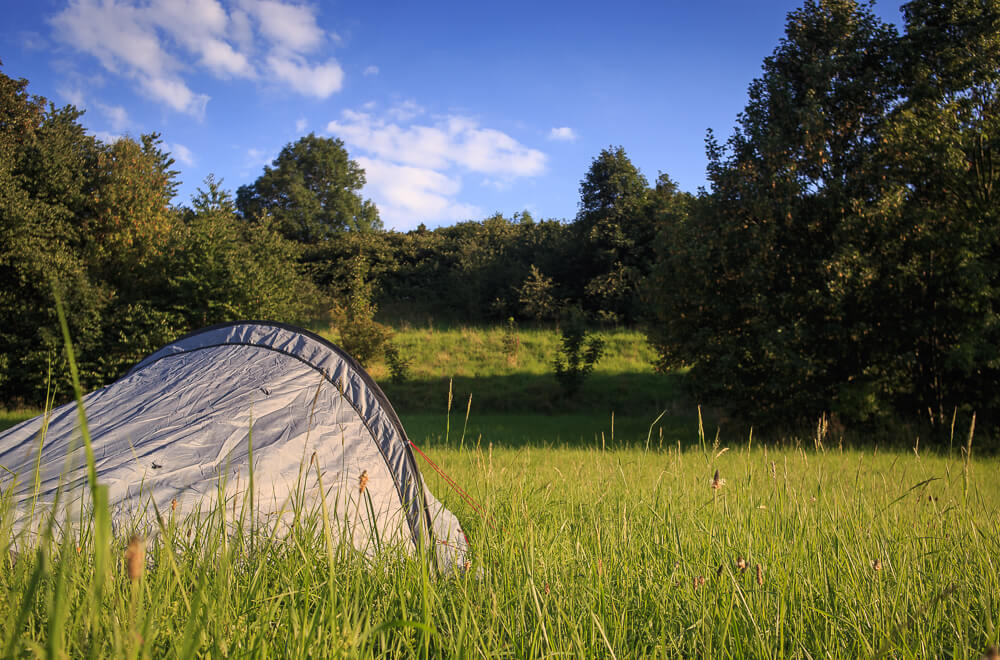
360,334
579,353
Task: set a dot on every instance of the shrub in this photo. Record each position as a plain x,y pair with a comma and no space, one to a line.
578,354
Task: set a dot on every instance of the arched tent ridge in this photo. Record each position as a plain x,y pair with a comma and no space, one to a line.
185,416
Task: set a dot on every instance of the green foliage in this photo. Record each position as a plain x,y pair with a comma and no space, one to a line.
220,268
536,296
399,366
360,334
578,354
311,192
845,260
764,288
92,222
614,230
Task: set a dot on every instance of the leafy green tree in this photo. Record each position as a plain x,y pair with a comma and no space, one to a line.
311,191
222,269
615,234
942,149
536,296
770,295
360,334
45,161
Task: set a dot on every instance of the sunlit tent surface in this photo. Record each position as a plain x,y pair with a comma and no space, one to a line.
181,423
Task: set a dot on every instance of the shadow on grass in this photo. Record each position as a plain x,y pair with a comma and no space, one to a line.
520,410
626,394
578,430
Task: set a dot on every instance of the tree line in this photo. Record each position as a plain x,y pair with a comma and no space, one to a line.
845,260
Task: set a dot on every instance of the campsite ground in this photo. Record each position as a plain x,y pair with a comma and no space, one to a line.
588,545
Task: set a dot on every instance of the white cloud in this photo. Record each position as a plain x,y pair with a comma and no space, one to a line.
290,27
407,195
116,114
319,81
157,43
73,96
370,70
301,124
258,157
106,137
414,170
450,141
182,154
172,91
563,133
405,111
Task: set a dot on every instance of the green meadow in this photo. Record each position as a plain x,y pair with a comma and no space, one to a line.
593,536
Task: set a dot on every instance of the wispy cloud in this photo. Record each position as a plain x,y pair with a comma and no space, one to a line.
157,43
370,70
182,154
117,116
407,195
301,124
450,141
415,170
320,80
563,134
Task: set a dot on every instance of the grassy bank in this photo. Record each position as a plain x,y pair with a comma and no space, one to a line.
584,553
513,372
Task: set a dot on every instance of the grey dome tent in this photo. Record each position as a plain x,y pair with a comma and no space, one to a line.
181,423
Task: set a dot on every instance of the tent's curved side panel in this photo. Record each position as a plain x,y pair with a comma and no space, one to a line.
341,370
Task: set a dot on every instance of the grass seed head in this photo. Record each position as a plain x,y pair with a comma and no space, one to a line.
877,564
173,504
717,481
718,572
363,481
741,564
135,557
760,575
991,654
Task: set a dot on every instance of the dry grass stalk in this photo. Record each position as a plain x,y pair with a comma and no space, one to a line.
135,557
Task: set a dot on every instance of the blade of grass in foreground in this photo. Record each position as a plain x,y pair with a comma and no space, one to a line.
99,494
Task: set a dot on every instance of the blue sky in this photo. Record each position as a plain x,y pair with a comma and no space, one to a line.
456,110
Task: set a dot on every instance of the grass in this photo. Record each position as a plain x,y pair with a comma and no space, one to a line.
519,377
586,553
590,546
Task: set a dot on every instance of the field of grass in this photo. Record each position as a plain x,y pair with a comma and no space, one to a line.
583,553
602,536
519,378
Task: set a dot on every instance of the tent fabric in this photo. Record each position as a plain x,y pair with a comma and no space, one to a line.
177,431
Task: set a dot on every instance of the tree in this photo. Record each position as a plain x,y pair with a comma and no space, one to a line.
45,161
782,321
615,233
311,192
942,149
536,296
